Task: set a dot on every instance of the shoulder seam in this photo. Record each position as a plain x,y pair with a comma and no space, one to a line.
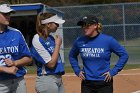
13,29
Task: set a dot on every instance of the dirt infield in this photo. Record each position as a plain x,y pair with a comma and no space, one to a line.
128,81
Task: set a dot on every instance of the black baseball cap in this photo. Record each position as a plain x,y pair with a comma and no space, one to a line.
89,19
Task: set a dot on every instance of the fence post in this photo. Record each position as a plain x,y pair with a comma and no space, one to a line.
124,30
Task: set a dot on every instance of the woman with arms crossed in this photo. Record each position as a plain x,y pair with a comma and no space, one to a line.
95,50
14,54
45,52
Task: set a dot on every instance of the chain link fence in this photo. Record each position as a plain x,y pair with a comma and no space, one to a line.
122,21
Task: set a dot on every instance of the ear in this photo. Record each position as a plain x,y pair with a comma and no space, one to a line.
96,25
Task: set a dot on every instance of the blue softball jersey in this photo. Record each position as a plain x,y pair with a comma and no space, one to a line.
12,45
42,51
96,54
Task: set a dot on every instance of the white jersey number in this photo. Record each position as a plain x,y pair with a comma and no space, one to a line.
2,57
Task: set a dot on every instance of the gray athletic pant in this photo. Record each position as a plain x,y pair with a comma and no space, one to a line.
49,84
13,85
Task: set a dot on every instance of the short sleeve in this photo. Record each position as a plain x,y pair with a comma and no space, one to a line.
40,49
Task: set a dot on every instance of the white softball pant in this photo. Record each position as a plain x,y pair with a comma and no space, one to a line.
13,86
49,84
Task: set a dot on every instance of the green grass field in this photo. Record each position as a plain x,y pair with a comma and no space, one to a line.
68,69
133,49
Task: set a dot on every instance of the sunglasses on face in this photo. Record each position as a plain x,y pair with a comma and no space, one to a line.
86,25
6,14
54,23
57,24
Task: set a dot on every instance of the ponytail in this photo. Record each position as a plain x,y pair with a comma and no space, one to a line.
99,27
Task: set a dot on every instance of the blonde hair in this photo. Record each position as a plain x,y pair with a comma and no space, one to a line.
100,27
40,27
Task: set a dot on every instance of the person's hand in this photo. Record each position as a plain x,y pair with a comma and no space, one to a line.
10,70
108,77
81,75
58,40
9,62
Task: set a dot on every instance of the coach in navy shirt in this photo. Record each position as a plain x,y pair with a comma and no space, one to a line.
95,50
14,54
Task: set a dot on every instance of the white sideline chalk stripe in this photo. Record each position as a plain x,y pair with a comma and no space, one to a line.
129,74
136,91
131,69
72,75
135,69
31,76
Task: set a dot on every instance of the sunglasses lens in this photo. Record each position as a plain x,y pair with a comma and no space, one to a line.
86,25
57,24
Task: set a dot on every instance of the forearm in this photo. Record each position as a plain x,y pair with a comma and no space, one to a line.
23,61
75,66
119,66
2,68
9,70
55,55
74,61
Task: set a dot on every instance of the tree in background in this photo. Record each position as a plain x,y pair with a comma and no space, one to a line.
57,3
10,1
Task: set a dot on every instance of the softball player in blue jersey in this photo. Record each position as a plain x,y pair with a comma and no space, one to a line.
45,52
95,50
14,54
